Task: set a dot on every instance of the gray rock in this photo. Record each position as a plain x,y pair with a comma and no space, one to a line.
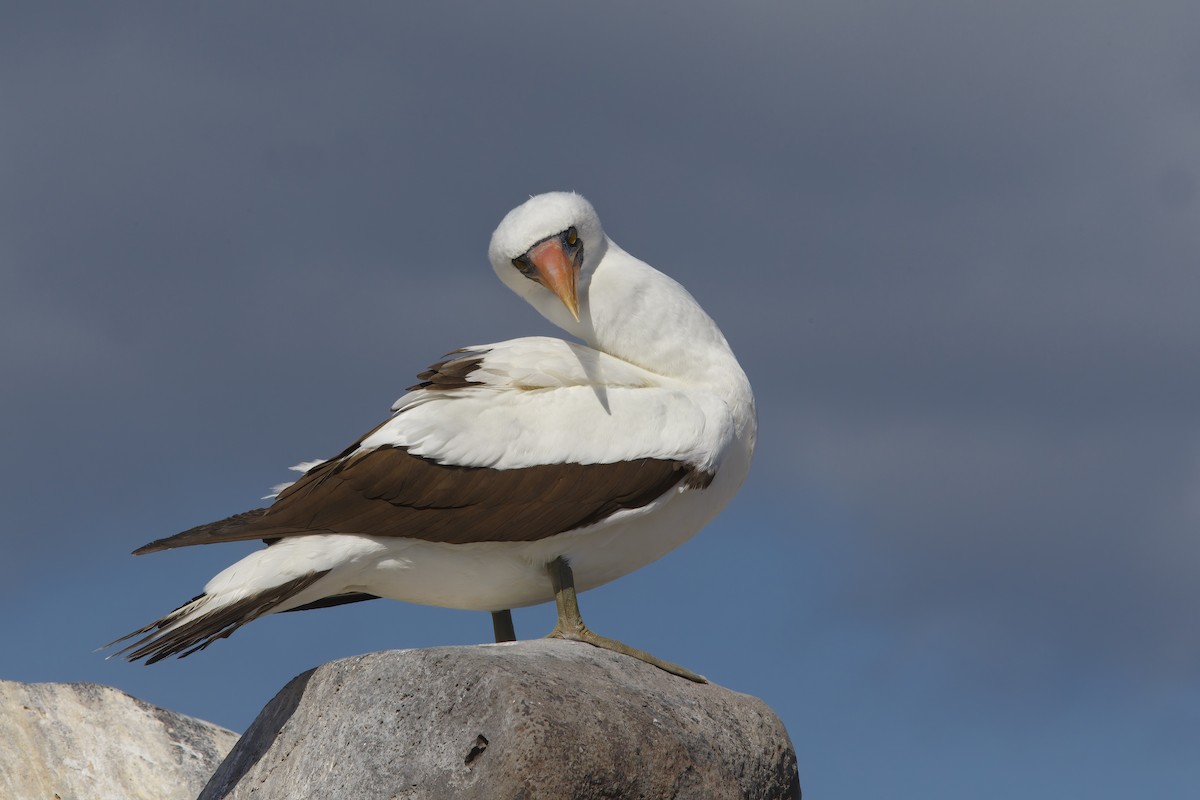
527,720
79,741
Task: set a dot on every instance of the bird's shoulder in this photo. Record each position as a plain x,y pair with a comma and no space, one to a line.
531,363
540,400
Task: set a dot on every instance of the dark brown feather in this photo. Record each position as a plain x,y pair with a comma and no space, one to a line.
389,492
336,600
452,373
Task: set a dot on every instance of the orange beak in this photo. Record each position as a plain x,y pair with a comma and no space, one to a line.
557,272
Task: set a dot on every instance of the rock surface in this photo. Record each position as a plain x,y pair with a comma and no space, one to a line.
538,719
80,741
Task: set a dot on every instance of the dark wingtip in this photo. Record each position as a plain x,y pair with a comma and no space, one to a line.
218,531
165,543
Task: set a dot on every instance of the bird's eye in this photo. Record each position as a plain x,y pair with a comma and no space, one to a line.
572,236
522,263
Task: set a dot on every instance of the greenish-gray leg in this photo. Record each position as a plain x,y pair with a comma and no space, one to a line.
570,623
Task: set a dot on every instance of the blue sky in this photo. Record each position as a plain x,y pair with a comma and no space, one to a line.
957,249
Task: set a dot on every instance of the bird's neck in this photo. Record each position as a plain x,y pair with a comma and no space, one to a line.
640,315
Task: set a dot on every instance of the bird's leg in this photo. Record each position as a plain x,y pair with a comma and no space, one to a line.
570,623
502,624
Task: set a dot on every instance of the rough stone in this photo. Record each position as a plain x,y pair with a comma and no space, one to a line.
527,720
79,741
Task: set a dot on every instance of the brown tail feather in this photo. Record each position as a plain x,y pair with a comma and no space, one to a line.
188,628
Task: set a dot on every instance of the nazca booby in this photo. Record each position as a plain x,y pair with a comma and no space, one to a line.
514,473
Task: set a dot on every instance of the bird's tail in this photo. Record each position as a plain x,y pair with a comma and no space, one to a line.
207,617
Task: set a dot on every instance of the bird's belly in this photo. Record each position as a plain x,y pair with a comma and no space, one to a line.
489,576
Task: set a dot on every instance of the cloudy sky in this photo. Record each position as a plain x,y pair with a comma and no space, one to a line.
957,248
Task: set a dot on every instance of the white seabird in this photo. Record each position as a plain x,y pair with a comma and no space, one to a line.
514,473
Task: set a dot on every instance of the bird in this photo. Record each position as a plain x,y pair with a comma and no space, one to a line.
513,473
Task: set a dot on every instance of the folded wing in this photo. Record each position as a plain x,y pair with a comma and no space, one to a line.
485,451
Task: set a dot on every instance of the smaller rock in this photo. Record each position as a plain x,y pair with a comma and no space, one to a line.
78,741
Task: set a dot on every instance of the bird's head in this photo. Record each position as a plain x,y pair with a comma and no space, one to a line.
545,250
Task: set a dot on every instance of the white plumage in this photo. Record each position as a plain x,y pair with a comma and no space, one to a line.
545,401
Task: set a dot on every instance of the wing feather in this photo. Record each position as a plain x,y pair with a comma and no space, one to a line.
515,441
390,492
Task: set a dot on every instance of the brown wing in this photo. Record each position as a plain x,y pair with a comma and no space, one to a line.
389,492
